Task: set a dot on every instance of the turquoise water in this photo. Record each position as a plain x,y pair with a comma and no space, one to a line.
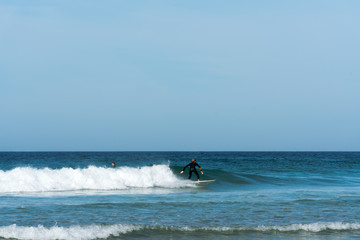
257,195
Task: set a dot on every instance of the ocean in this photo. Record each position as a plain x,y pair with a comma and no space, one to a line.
257,195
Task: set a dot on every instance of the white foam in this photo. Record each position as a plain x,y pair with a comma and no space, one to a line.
105,231
312,227
27,179
73,232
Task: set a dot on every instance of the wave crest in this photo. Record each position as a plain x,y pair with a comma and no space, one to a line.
73,232
105,231
27,179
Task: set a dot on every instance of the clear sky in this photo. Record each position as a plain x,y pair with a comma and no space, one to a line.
179,75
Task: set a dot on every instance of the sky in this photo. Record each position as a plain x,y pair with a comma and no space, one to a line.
179,75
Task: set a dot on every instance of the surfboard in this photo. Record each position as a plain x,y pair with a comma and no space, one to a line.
204,182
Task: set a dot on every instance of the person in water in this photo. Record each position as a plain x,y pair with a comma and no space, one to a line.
192,166
113,164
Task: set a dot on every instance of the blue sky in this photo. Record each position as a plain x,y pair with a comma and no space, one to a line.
179,75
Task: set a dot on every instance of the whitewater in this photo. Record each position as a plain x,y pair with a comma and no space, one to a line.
117,230
257,195
28,179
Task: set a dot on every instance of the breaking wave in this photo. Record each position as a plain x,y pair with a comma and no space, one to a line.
27,179
105,231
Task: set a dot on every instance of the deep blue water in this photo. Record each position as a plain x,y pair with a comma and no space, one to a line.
257,195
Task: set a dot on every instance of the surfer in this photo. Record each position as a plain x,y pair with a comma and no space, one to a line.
193,165
113,164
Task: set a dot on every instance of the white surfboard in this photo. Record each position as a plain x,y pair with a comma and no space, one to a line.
204,182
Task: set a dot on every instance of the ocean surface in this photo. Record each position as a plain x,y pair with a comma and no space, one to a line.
257,195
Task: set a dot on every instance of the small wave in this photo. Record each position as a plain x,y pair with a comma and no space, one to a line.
312,227
73,232
105,231
27,179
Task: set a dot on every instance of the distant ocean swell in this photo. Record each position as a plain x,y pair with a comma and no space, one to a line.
28,179
106,231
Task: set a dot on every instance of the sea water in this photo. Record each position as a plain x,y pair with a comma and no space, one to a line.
257,195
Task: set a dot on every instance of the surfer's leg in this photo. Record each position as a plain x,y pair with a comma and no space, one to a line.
190,173
197,174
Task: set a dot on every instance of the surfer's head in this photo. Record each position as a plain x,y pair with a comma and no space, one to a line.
193,160
113,164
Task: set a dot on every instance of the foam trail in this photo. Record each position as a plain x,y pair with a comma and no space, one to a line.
27,179
105,231
73,232
312,227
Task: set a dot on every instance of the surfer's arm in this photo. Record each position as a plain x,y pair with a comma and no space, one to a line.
184,168
200,168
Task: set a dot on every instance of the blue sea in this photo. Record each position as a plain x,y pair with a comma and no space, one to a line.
257,195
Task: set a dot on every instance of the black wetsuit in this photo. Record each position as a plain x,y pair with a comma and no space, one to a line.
193,169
